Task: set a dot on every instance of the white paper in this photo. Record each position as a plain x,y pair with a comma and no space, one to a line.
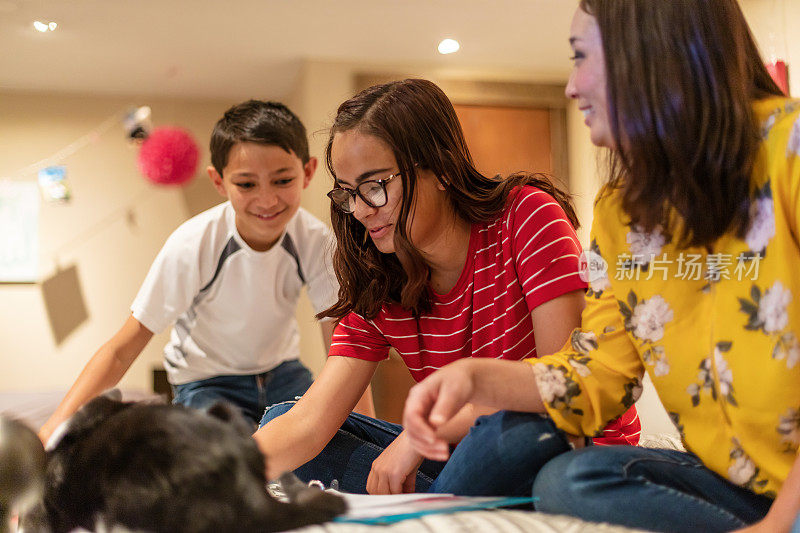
362,506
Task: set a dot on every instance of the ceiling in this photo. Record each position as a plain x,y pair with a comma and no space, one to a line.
243,48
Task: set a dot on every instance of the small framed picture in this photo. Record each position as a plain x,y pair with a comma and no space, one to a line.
54,184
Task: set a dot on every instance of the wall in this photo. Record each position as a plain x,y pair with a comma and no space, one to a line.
320,88
114,258
111,230
95,232
112,261
773,23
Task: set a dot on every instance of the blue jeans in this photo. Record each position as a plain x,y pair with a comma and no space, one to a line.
500,455
252,394
657,490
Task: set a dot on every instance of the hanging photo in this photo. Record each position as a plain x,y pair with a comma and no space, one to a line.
54,184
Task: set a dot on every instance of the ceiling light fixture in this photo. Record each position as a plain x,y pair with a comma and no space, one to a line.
44,27
448,46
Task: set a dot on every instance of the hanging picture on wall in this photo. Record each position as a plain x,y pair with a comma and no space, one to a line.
64,302
19,239
54,184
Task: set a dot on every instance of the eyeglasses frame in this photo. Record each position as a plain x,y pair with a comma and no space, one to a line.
356,192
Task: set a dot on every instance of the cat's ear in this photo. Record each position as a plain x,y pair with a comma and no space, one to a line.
87,418
228,413
222,410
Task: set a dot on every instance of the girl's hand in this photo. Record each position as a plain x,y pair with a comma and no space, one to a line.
395,470
432,403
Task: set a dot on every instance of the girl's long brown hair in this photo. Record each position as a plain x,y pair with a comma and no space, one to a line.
418,123
682,76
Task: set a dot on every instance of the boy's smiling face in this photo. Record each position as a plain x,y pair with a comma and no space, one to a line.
264,184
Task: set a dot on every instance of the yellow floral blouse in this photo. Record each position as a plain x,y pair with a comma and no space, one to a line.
717,331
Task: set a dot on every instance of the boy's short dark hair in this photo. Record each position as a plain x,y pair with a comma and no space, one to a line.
258,122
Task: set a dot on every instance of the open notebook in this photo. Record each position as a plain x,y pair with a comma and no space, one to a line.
387,509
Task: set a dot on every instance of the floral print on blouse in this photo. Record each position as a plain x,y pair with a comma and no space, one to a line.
717,330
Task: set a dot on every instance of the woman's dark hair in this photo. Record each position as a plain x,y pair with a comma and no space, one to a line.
682,76
417,122
255,121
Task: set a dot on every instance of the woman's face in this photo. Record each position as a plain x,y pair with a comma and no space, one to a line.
587,82
358,157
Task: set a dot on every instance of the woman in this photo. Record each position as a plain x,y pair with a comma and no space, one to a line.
704,170
440,263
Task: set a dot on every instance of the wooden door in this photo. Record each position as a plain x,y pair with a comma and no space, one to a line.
504,140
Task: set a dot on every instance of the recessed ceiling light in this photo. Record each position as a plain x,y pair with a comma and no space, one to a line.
448,46
44,27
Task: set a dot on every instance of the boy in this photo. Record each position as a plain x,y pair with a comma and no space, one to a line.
229,278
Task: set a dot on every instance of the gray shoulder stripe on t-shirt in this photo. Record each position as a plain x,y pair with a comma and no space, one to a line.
288,245
230,248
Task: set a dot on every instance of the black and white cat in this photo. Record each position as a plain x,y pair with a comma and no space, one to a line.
165,468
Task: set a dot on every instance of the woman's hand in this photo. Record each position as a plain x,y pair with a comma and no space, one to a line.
432,403
785,510
395,470
491,383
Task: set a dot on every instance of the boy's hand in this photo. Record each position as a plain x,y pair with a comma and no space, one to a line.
44,433
432,403
395,469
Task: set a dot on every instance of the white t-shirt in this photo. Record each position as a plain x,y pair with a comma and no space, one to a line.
233,308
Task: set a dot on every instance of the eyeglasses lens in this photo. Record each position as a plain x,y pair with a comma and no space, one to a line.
374,193
342,199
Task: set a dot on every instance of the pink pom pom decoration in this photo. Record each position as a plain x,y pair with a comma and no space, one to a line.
169,156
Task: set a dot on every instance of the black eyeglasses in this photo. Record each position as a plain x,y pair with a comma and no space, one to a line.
373,192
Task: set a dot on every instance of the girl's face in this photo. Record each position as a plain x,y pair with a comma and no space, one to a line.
587,82
358,157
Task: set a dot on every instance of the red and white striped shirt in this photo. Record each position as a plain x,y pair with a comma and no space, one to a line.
527,256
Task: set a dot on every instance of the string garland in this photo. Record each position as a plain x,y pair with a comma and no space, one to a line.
62,154
124,212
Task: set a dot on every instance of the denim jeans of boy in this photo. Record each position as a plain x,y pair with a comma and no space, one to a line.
499,457
657,490
252,394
